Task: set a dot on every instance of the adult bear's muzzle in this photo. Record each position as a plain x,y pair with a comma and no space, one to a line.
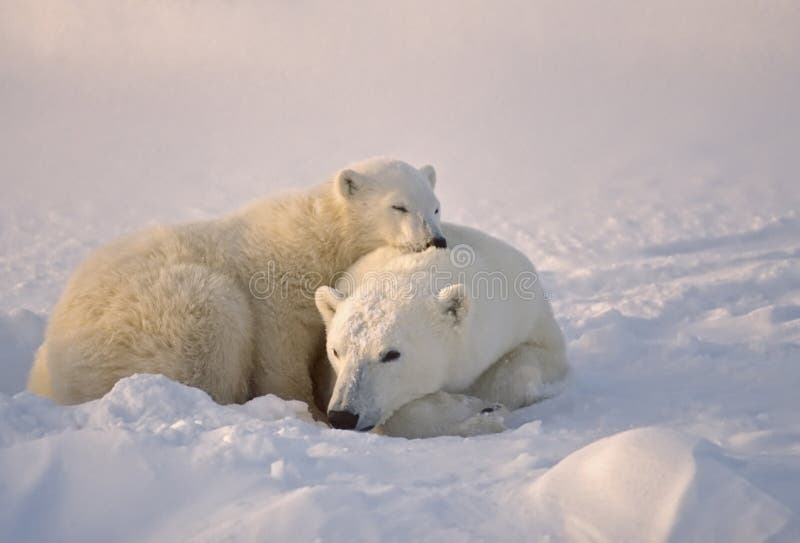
343,420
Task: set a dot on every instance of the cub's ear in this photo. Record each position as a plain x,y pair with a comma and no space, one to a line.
327,299
430,173
349,183
453,302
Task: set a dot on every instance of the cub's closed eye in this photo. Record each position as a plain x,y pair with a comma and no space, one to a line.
390,355
335,353
401,209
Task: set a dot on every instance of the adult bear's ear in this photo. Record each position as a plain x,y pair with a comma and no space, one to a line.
349,183
429,172
327,299
453,302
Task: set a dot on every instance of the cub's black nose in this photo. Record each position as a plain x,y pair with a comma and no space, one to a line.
343,420
439,242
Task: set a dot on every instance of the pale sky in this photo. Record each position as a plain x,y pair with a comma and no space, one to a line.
568,92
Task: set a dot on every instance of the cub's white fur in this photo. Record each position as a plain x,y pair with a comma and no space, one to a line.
460,331
227,305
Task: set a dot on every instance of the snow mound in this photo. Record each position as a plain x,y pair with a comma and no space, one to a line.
654,484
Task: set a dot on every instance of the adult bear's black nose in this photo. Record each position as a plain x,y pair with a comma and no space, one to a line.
343,420
439,242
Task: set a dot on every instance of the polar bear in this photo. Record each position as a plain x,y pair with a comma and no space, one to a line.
227,305
430,343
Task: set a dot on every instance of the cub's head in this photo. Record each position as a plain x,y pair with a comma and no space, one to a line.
392,203
387,348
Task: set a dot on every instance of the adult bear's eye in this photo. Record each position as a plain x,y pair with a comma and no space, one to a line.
390,355
335,353
436,212
401,209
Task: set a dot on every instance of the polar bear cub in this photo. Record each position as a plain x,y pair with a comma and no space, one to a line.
227,305
426,344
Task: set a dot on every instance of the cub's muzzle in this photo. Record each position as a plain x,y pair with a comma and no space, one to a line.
439,242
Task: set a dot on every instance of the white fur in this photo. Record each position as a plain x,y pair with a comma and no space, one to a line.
464,348
179,300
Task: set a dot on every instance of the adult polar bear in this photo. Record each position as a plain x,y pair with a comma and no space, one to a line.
424,343
180,300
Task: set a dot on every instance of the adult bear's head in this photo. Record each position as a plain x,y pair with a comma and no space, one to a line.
388,344
392,203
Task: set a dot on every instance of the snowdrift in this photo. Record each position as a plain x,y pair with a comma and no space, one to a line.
654,484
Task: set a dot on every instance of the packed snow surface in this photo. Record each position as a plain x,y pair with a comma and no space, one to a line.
644,156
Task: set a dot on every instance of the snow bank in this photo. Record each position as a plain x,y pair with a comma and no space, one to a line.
158,461
155,460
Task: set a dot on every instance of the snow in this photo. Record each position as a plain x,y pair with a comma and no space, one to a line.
657,482
644,156
21,332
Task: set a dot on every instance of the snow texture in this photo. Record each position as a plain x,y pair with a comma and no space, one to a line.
643,155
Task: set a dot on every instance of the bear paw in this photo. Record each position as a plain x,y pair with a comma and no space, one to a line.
489,421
